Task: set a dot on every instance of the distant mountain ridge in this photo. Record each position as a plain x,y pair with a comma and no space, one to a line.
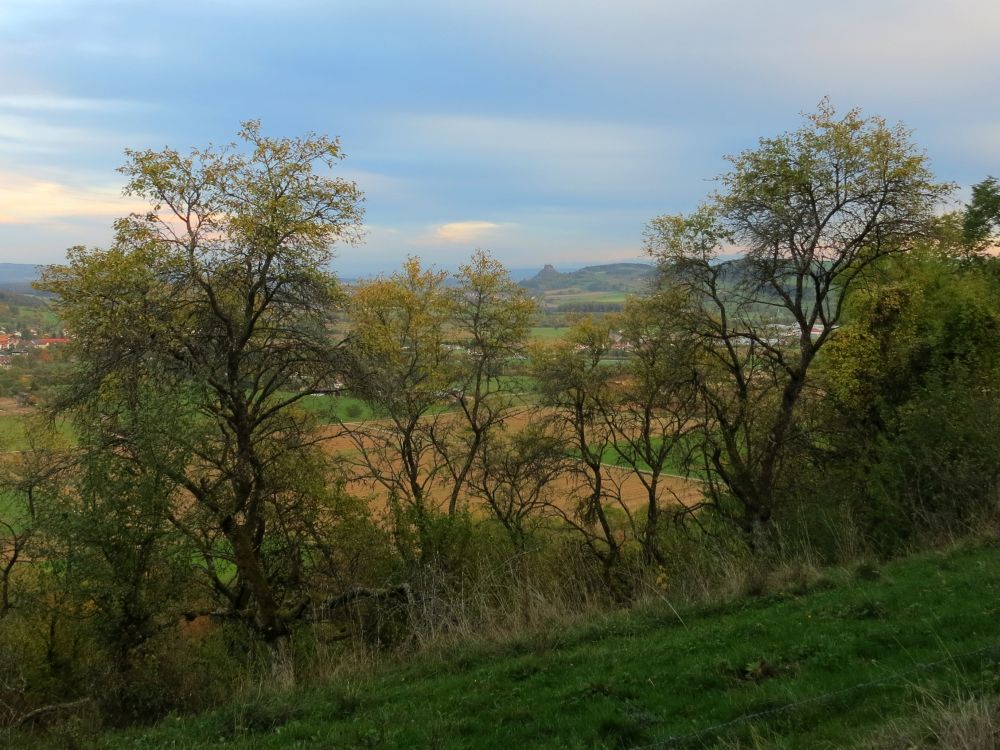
609,277
18,277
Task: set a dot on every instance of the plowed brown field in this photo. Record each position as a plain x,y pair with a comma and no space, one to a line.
626,486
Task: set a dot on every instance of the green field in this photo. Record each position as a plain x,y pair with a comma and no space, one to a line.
575,297
10,505
330,408
547,333
12,431
674,464
821,664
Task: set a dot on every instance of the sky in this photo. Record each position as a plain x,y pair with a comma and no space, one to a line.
545,131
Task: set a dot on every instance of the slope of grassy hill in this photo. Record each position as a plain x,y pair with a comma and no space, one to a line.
827,660
591,289
26,313
18,276
612,277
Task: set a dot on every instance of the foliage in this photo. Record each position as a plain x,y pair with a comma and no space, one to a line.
651,405
490,317
910,383
220,296
189,524
514,477
398,361
812,211
573,383
982,216
431,358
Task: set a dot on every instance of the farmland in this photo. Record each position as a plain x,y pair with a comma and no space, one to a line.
623,485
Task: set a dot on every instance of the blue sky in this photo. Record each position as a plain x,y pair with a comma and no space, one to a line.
548,131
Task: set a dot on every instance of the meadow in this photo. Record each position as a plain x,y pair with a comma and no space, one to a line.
845,657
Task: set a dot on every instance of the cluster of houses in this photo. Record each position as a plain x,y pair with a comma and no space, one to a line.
619,346
17,344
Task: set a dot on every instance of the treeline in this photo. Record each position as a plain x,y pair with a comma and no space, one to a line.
201,528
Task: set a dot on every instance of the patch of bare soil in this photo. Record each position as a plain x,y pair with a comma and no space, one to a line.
11,407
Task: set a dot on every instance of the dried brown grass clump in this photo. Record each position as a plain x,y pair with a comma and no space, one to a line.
962,723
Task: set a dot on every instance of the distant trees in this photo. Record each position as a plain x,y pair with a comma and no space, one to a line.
810,211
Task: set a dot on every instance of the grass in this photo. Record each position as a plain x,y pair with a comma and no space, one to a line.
547,333
12,432
579,297
328,408
642,677
333,408
674,464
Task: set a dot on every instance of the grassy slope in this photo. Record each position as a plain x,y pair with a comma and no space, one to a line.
638,678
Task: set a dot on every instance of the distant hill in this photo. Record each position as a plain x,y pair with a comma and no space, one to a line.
592,289
611,277
17,277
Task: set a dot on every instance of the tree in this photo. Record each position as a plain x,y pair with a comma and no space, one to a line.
909,386
220,296
490,316
30,480
513,476
810,211
982,215
125,565
430,357
573,384
399,363
650,405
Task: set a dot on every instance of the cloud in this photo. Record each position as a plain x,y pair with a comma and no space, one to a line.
460,232
27,200
55,103
20,135
854,44
564,157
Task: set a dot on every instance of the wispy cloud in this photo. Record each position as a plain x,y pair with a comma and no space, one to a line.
26,200
460,232
57,103
561,155
23,134
885,47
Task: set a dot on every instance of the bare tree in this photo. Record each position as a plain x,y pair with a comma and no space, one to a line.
650,407
515,473
489,316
